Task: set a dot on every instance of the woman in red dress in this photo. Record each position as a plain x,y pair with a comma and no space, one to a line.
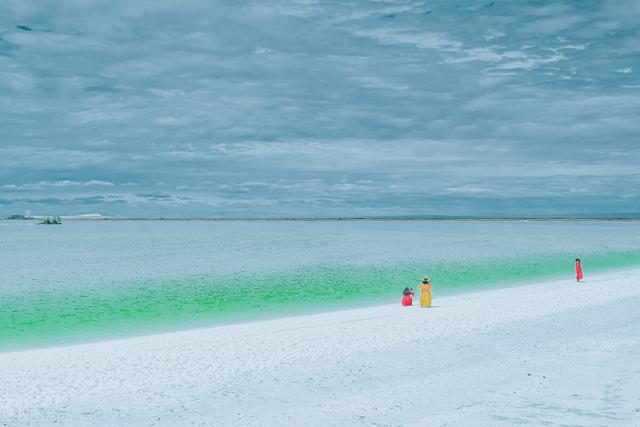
578,270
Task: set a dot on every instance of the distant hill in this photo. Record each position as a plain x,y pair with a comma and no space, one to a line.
93,216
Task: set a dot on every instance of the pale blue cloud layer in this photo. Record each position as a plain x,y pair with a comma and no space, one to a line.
207,108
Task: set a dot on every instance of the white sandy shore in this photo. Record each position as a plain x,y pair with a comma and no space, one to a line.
553,353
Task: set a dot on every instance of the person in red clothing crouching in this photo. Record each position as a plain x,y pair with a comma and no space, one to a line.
407,299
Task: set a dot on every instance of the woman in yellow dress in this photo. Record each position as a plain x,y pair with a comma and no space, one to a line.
425,296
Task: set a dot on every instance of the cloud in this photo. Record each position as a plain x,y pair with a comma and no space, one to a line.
307,107
470,190
419,39
529,63
484,54
67,183
552,25
22,187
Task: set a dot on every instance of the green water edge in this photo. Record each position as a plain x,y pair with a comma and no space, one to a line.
53,318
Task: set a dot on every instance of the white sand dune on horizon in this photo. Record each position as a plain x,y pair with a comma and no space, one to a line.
553,353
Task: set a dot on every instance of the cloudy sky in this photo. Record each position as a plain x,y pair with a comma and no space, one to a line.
305,107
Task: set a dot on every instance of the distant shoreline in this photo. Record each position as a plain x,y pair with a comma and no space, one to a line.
349,219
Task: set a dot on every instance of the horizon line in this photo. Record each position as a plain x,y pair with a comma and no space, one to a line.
343,218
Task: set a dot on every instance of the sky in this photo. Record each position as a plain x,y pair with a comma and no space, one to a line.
320,108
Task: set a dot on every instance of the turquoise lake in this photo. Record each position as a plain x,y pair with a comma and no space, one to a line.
93,280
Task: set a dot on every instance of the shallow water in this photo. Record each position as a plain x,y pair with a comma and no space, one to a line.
96,280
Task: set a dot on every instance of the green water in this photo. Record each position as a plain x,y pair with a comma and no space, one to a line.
37,312
58,317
